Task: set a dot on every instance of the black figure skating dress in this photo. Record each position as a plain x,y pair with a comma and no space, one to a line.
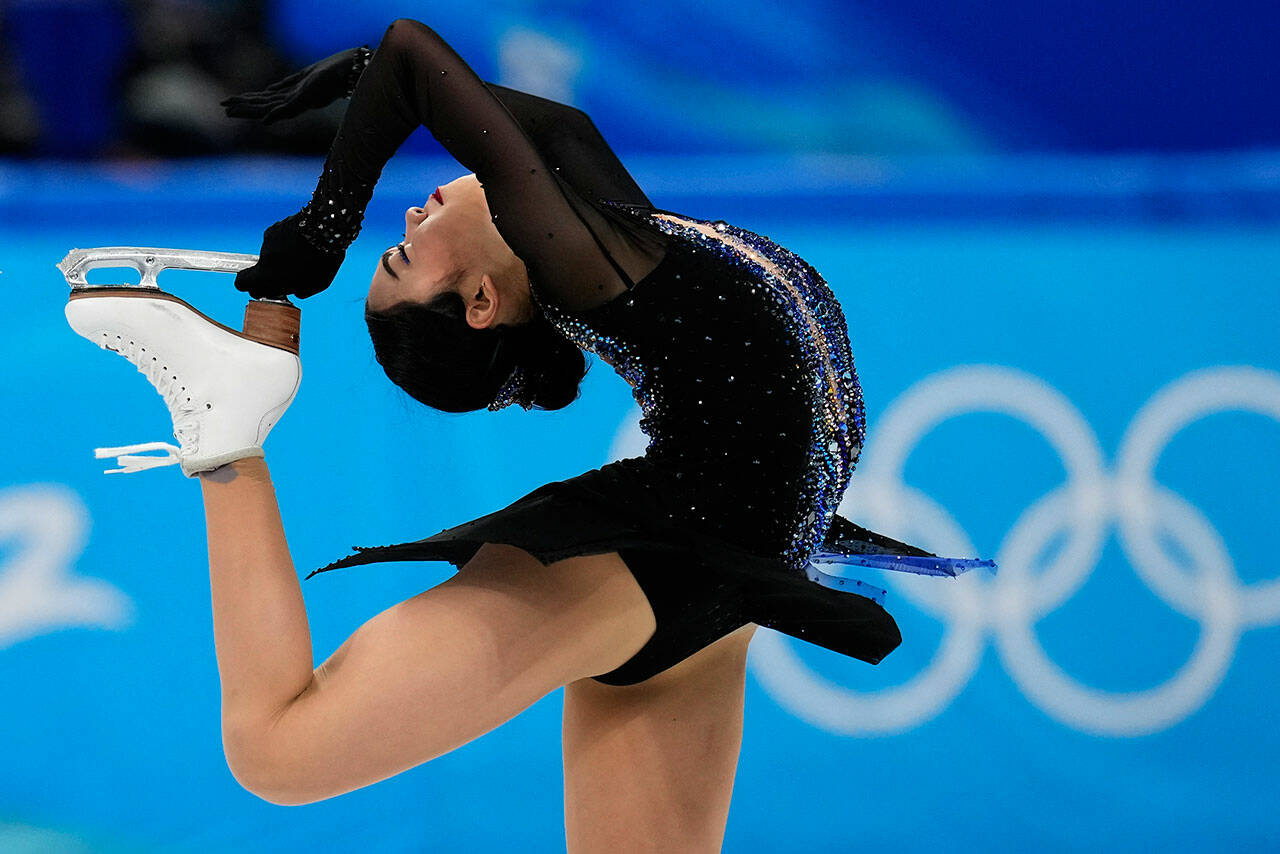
735,349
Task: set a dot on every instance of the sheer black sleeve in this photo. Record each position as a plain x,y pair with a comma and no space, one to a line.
536,195
572,146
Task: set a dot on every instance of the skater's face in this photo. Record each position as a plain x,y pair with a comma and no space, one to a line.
451,243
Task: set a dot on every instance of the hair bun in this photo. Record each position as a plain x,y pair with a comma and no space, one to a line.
547,368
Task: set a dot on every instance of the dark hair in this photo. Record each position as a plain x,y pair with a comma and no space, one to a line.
430,351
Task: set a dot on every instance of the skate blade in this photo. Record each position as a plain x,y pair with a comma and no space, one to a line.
149,262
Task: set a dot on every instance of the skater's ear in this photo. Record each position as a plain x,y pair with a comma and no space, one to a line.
482,299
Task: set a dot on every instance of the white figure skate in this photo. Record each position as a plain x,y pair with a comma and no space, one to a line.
225,389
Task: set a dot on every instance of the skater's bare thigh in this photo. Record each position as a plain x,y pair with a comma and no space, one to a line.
442,668
650,767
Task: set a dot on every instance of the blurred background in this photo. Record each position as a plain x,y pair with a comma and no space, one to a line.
1053,229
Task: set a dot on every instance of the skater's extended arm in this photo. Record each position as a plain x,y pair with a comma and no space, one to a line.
565,136
414,78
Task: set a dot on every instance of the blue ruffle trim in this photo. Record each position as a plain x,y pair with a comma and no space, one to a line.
921,565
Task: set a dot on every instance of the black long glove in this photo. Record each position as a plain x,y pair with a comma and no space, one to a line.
289,264
316,86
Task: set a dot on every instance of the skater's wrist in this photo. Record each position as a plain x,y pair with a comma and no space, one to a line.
359,62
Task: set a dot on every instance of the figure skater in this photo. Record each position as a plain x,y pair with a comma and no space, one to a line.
637,585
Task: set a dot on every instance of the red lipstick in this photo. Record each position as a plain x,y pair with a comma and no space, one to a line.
436,195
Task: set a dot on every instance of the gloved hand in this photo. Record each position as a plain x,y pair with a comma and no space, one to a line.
318,85
288,264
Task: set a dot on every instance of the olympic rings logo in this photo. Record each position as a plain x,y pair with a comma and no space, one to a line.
1092,503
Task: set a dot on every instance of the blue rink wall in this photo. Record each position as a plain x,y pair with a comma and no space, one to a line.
1070,365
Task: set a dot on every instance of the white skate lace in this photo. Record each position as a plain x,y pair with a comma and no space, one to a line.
181,407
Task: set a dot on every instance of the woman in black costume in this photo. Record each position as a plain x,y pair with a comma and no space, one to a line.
636,585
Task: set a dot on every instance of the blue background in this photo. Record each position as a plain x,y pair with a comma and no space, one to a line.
1059,214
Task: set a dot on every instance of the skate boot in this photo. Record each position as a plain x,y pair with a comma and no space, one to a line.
225,389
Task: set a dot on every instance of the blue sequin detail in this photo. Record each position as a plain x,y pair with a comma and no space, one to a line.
514,390
619,354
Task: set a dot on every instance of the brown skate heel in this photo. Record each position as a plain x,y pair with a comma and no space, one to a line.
274,322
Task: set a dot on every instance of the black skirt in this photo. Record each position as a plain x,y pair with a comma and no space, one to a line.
700,585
